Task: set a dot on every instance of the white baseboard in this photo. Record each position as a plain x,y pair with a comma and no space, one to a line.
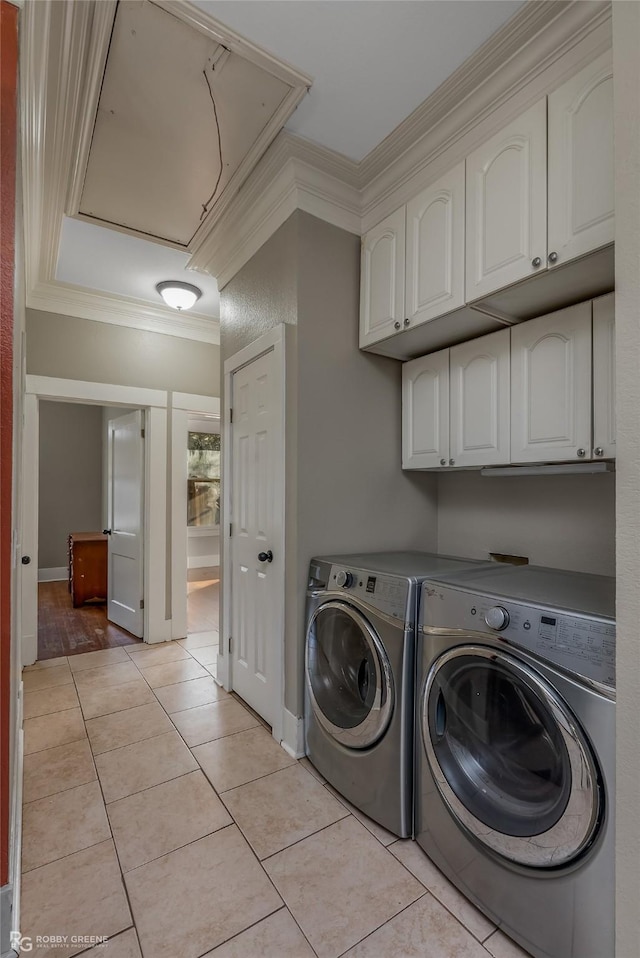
222,671
59,574
10,894
293,735
201,562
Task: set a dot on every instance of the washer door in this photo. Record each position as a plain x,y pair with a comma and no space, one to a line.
509,758
348,675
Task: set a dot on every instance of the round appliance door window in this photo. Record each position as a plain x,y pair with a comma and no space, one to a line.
508,757
348,675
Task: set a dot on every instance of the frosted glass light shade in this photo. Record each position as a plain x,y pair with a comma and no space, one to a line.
179,295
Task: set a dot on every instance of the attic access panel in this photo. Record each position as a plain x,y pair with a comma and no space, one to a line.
184,114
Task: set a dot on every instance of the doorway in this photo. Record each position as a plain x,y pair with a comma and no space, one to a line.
83,488
201,512
157,623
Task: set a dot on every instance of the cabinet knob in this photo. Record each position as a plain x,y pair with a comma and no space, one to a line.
581,453
452,462
397,324
26,560
443,462
553,257
407,321
536,262
599,451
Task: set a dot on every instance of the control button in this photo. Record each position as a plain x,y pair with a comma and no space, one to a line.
497,618
526,626
344,579
474,611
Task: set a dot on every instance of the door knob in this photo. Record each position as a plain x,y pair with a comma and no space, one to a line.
106,532
265,556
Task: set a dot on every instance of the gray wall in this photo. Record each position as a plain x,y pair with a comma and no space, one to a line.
566,522
70,477
69,348
345,488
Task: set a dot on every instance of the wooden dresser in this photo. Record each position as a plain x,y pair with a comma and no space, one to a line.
87,567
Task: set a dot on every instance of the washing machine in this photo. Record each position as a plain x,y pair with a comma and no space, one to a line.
360,676
515,751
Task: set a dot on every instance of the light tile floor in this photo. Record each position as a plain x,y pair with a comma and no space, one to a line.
160,813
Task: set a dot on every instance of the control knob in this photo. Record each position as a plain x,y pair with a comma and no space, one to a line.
344,579
497,618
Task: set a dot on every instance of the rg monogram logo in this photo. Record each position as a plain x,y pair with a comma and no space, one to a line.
19,942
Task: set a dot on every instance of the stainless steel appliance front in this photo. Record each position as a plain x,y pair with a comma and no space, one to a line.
515,758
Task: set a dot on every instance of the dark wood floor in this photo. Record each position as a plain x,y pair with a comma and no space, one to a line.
63,630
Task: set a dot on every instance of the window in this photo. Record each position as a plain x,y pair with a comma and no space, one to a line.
203,483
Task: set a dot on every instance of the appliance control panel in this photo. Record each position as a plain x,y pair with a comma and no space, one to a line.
387,593
581,644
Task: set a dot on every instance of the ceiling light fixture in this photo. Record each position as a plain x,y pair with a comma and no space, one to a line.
179,295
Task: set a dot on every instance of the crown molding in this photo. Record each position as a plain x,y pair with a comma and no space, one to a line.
54,297
534,17
555,40
63,54
541,46
294,174
63,45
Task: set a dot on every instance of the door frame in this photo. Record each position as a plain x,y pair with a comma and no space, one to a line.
275,340
182,405
156,624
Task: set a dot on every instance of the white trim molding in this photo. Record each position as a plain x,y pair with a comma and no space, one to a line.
53,296
536,51
292,175
100,394
63,57
293,735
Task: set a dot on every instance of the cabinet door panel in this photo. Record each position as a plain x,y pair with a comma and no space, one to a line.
435,249
479,401
604,377
382,279
551,387
506,202
425,411
581,182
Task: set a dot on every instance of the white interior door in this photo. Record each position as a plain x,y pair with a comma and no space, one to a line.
126,522
256,523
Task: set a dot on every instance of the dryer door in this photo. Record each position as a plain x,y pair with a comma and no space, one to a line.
509,758
348,675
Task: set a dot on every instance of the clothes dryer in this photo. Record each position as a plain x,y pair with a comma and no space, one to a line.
360,676
515,750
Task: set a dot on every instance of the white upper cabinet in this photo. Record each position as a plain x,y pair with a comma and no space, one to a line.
506,203
604,378
581,182
425,411
435,249
479,401
382,279
551,387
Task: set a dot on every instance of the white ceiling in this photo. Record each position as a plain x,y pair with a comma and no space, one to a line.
107,260
373,62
